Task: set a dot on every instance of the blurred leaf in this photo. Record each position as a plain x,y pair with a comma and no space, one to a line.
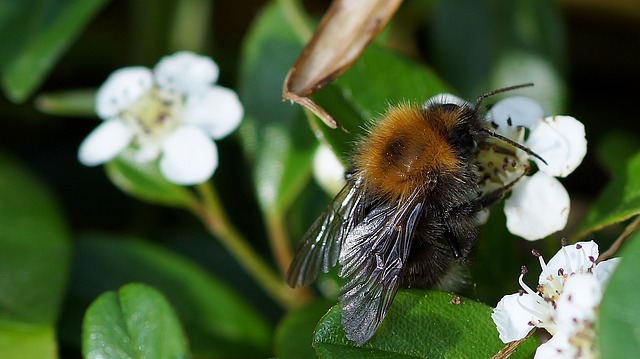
275,134
145,182
533,50
364,92
136,322
295,332
27,342
620,309
218,322
42,30
536,27
76,103
421,324
460,28
34,264
620,199
615,149
35,255
520,67
497,33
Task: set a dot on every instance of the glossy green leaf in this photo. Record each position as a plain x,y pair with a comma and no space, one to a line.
43,30
365,91
76,103
620,309
28,342
135,322
275,135
620,199
421,324
295,332
35,255
218,322
145,182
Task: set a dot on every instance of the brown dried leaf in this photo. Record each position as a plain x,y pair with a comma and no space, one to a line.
345,30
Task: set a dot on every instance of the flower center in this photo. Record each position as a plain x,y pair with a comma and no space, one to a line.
499,164
153,116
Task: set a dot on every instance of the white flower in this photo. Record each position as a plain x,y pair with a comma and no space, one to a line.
539,204
328,170
564,303
171,112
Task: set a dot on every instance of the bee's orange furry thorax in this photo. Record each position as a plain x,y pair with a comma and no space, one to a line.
406,149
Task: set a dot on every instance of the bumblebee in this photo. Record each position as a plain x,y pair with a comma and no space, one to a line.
407,216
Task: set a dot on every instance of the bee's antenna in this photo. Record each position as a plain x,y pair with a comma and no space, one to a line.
514,144
498,91
500,137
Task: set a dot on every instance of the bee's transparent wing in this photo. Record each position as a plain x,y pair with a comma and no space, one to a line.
373,257
320,247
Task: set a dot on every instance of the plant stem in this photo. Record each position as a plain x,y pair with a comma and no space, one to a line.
621,238
278,240
190,25
216,221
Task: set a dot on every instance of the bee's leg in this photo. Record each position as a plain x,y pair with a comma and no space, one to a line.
460,231
491,198
494,196
453,243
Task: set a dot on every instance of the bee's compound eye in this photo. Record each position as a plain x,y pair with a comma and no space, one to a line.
462,138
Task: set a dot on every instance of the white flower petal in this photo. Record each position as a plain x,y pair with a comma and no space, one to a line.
188,156
561,141
445,98
186,72
218,111
104,142
328,170
581,295
558,347
537,207
515,111
482,216
122,88
604,270
511,319
577,257
148,152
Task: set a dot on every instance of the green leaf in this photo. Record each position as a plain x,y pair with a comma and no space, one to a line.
421,324
620,309
28,342
35,255
42,31
145,182
520,67
295,332
136,322
494,31
218,322
275,135
620,199
76,103
365,91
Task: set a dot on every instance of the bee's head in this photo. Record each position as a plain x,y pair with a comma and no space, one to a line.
459,123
